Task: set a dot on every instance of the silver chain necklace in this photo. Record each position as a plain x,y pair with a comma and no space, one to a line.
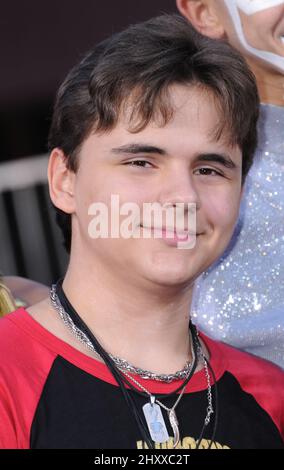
154,417
152,411
121,364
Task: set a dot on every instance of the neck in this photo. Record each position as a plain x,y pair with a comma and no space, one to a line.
146,326
270,84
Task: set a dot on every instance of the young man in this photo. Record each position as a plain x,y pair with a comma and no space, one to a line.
155,114
240,299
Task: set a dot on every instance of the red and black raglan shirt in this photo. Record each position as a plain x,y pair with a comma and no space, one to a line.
54,396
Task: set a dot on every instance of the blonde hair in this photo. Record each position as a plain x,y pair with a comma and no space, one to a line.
7,302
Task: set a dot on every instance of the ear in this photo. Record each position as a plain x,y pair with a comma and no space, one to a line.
61,182
203,15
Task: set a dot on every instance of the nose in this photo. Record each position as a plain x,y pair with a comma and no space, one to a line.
179,187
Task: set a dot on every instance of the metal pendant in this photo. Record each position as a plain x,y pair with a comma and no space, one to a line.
174,424
155,422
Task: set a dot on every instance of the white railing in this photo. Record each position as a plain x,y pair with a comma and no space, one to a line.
24,172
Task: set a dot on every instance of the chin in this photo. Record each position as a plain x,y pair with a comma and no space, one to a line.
171,281
170,275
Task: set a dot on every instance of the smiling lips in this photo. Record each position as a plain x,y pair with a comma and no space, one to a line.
170,234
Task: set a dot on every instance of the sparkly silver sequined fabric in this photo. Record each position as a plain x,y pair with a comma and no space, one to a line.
240,300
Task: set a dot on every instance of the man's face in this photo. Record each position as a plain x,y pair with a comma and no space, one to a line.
254,27
264,30
167,170
258,30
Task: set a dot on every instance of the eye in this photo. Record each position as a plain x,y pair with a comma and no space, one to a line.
139,163
208,172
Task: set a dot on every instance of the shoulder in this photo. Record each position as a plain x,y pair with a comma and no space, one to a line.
24,367
261,379
249,368
10,333
22,346
251,371
25,356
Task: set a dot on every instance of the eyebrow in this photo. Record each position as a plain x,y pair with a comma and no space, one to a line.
223,159
135,149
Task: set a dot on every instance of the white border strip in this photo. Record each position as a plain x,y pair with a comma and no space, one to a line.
249,7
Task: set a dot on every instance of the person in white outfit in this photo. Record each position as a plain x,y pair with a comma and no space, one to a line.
240,300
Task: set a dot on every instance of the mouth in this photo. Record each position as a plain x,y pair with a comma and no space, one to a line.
171,232
282,38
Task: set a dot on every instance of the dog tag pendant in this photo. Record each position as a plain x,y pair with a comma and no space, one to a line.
155,422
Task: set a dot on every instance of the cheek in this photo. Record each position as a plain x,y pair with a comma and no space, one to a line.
257,29
115,194
88,191
95,186
251,35
221,209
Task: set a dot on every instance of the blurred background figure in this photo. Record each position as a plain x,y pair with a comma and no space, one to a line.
240,300
19,292
39,43
7,302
